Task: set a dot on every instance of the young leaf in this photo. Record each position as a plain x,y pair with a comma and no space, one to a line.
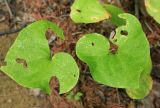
122,68
30,64
78,96
115,11
88,11
153,8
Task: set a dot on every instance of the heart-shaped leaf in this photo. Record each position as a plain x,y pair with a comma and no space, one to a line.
153,8
122,68
30,64
88,11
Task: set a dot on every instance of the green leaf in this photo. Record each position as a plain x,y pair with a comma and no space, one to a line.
78,96
115,11
145,83
88,11
153,8
123,68
30,64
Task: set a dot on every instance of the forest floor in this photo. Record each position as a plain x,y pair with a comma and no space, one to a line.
94,95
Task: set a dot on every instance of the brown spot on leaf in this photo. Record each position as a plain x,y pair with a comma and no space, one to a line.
92,43
78,10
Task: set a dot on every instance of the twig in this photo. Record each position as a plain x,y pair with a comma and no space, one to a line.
136,6
76,33
9,10
148,26
2,18
12,30
66,15
118,99
157,66
24,5
119,3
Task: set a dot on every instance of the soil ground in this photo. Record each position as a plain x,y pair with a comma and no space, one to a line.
94,95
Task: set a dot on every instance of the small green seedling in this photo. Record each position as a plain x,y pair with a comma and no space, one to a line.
75,96
78,96
128,67
30,63
153,8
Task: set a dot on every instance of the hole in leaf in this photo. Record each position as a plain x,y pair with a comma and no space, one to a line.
113,48
92,44
51,37
22,61
78,10
124,32
74,75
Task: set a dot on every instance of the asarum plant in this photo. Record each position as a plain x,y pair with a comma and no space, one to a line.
30,64
129,64
128,67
